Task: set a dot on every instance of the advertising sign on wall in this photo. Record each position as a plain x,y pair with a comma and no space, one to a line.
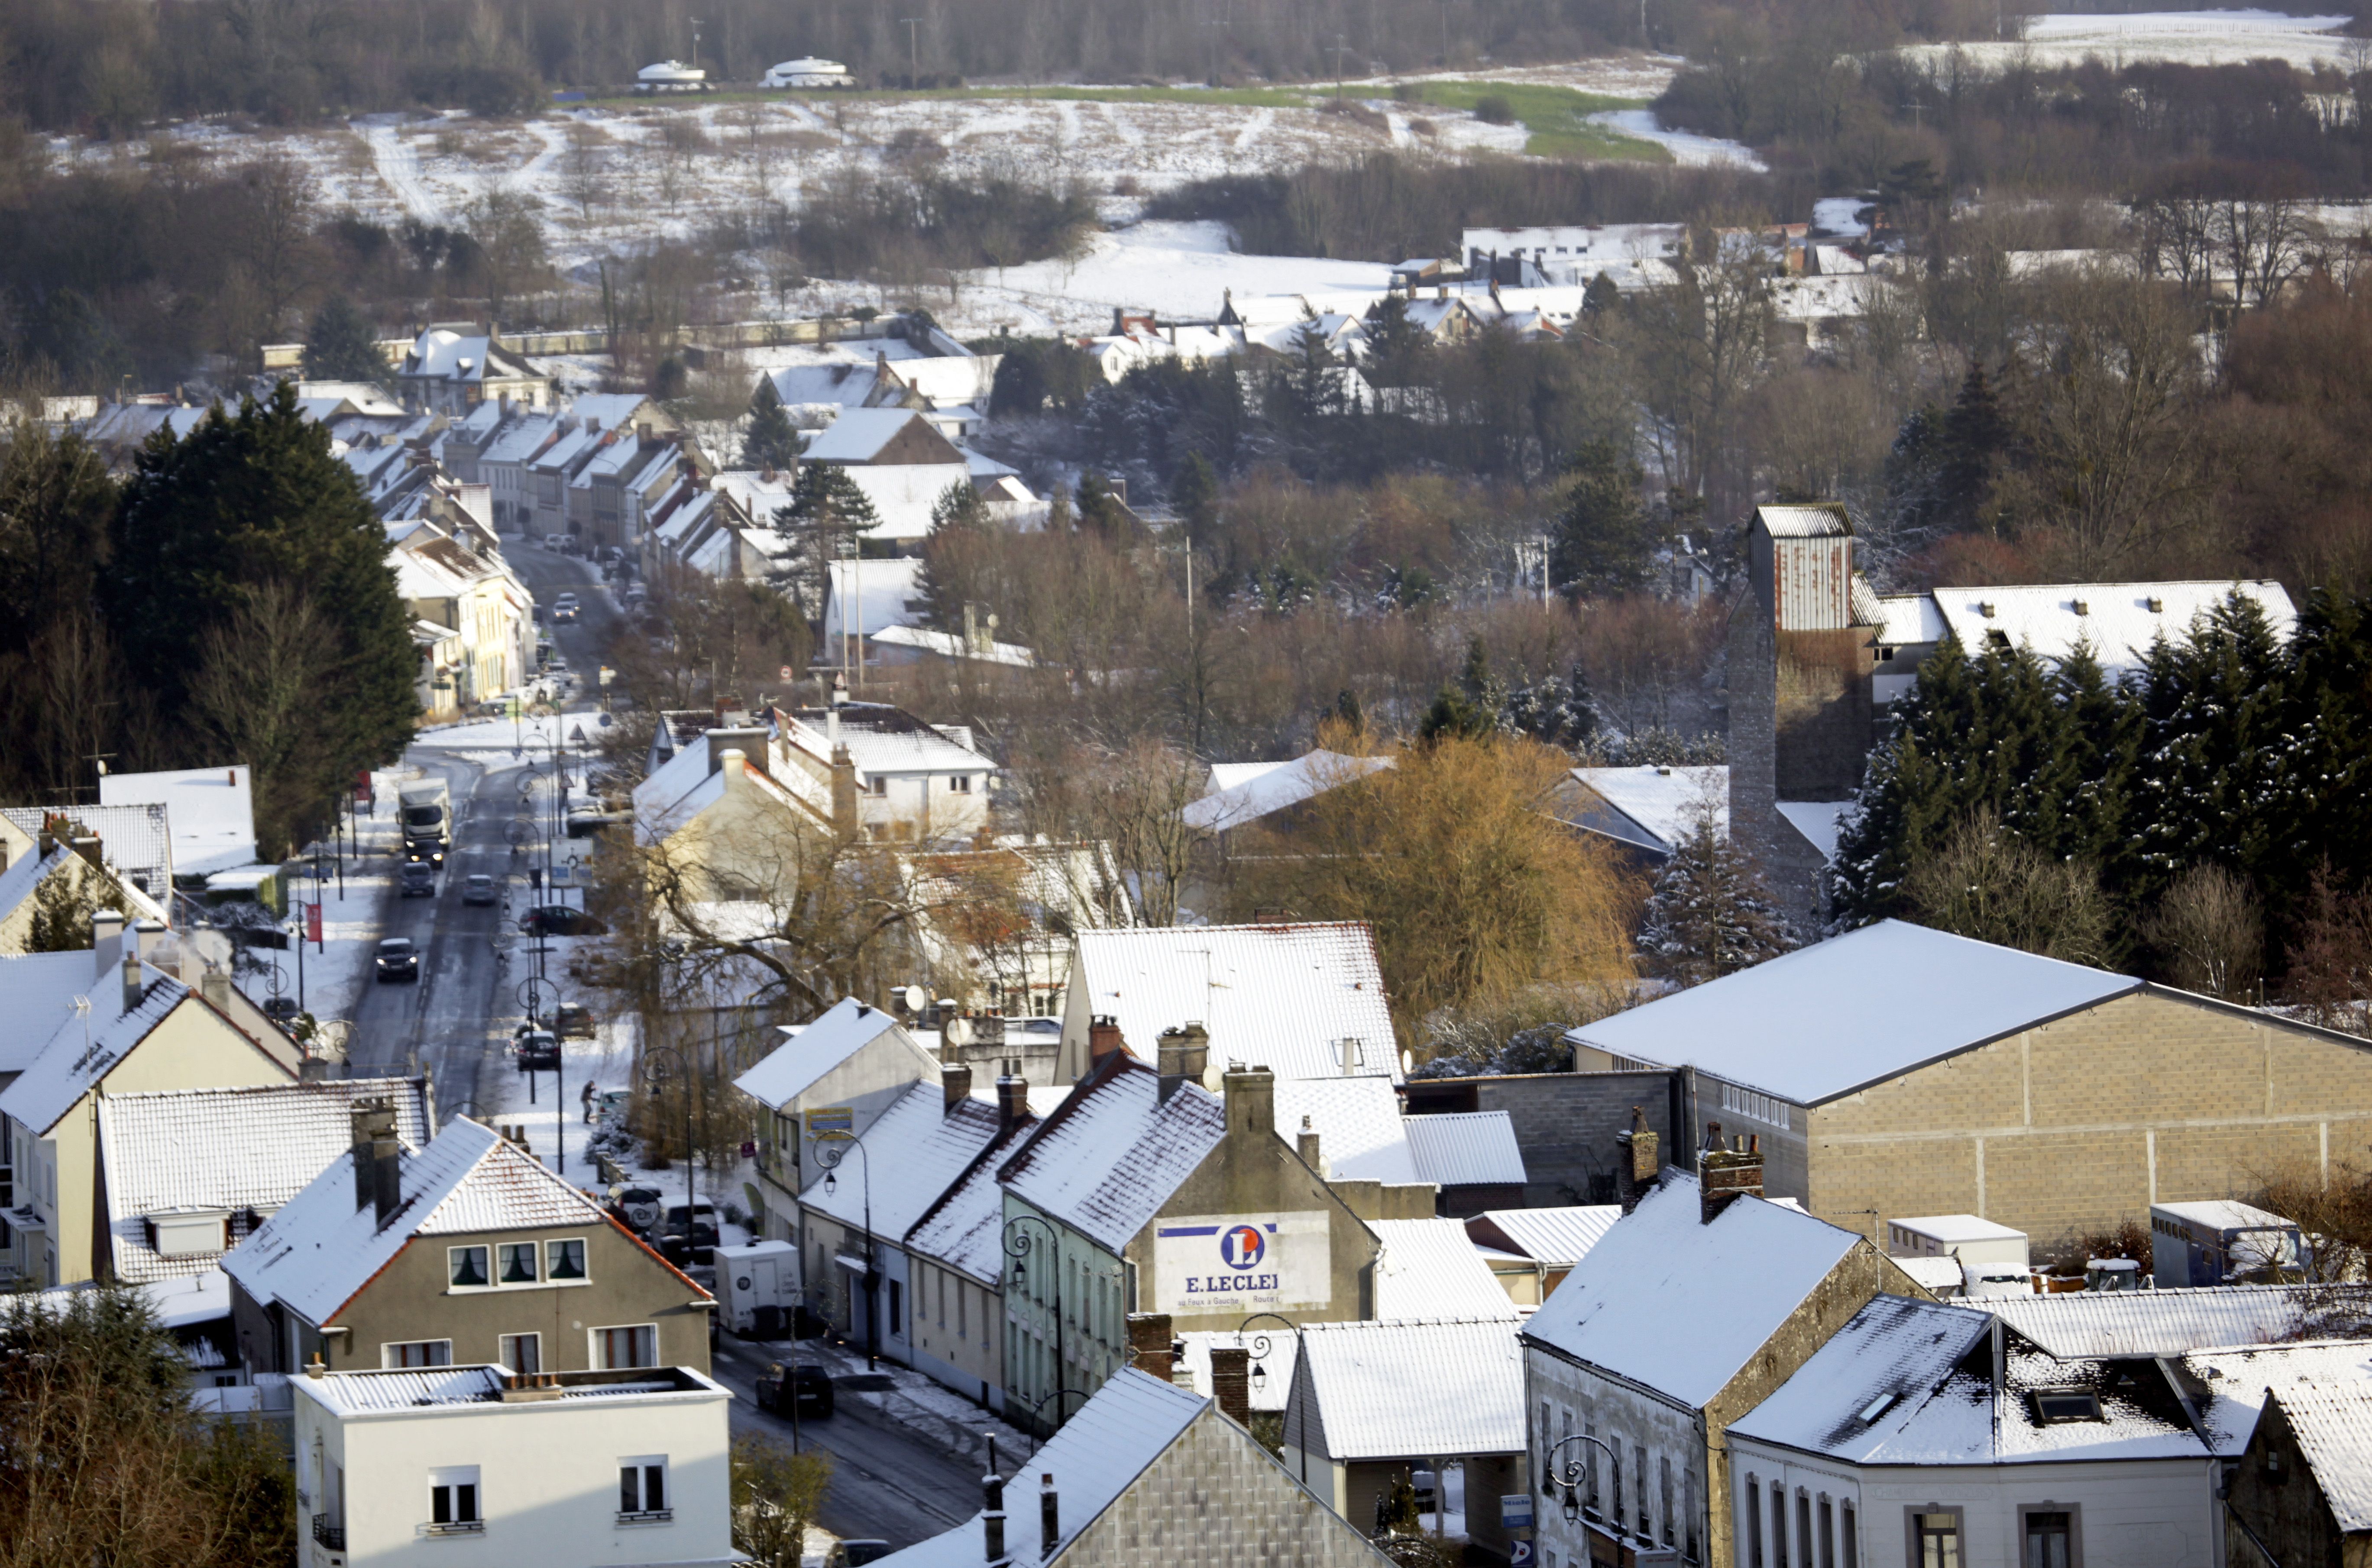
1241,1263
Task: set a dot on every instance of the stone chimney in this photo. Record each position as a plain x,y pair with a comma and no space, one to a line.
1642,1157
1726,1174
1183,1054
735,766
843,787
1050,1519
1306,1144
107,939
1231,1381
1012,1097
992,1518
214,986
1251,1101
371,1120
1152,1348
1103,1036
955,1083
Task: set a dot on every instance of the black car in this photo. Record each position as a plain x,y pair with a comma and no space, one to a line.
805,1384
561,920
419,879
281,1010
398,959
538,1051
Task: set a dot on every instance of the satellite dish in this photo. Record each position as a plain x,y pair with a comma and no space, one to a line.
955,1031
915,998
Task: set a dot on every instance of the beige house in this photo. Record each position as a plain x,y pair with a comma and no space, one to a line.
138,1030
475,617
53,883
466,1251
1896,1072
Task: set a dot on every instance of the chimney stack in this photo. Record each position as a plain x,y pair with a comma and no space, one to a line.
1050,1519
107,939
735,766
135,989
1231,1383
1151,1345
1642,1157
954,1083
1182,1055
1012,1097
1252,1100
371,1120
1306,1144
1724,1175
992,1518
1103,1036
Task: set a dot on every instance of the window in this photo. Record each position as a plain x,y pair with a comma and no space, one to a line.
897,1308
453,1501
417,1352
1804,1557
1639,1458
1761,1108
2054,1406
637,1345
564,1260
523,1352
2050,1537
518,1263
960,783
643,1491
466,1267
961,1290
876,784
1936,1539
1753,1522
1828,1533
1664,1496
1778,1526
1852,1536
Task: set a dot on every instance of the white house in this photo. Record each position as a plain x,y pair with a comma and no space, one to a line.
481,1467
212,811
898,459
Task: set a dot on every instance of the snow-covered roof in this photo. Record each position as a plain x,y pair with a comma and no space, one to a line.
1466,1148
1094,1459
1857,1009
923,1146
1228,775
2223,1214
16,883
1432,1269
212,811
321,1248
392,1391
843,384
950,644
1274,788
1665,803
2169,1322
859,435
2333,1429
795,1066
522,441
134,841
1273,1353
1110,1157
1645,1303
757,495
871,595
1280,996
1945,1276
1361,1135
1363,1380
2116,622
1905,620
37,995
1557,1236
1865,1396
73,1059
883,739
964,1228
230,1149
1819,822
1804,522
2237,1380
1957,1230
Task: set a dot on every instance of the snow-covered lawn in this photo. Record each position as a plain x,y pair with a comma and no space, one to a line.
2188,37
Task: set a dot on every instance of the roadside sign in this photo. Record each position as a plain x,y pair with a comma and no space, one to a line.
535,878
829,1120
1519,1554
607,673
1516,1511
313,923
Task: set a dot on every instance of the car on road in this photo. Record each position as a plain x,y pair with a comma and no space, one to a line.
565,611
397,959
573,1020
479,888
419,879
538,1051
561,920
801,1387
697,1222
637,1208
281,1010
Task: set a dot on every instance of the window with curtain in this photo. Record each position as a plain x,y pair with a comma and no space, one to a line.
1935,1540
2049,1538
466,1267
1753,1522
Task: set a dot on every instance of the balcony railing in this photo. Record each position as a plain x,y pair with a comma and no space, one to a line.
648,1517
457,1528
329,1534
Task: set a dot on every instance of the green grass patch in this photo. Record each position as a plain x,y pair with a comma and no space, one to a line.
1556,118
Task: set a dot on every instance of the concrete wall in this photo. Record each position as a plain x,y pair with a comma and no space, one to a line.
958,1335
1565,1124
2083,1122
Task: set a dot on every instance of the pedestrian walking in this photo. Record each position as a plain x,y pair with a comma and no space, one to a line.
587,1098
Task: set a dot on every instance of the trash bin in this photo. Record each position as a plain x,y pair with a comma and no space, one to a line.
767,1321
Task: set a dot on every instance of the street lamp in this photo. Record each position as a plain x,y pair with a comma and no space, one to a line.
1261,1346
1573,1473
653,1078
830,1149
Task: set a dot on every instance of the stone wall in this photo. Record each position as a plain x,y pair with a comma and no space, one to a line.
1565,1124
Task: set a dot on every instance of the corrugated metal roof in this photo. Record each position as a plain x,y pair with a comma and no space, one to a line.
1280,996
356,1393
1558,1237
1110,1156
1432,1269
1467,1148
228,1149
1827,521
2169,1322
2236,1381
2333,1427
1364,1380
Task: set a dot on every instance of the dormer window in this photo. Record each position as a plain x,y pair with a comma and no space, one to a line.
2055,1407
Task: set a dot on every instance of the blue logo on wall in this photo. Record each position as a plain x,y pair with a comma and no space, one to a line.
1242,1247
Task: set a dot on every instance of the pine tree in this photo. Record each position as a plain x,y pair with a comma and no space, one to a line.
2214,749
1469,710
1605,541
2103,745
245,504
825,522
770,442
1916,788
1396,347
342,346
2327,735
1556,712
1709,913
958,517
1195,494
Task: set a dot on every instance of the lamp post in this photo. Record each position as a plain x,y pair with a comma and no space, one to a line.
654,1078
1573,1474
838,1144
1017,1246
1262,1346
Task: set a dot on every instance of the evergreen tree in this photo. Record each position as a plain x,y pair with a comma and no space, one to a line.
1469,710
2101,748
1709,913
1552,711
1348,714
958,517
1915,791
245,506
1396,347
1601,297
826,521
1195,494
341,346
1605,541
2215,755
771,441
1101,509
2327,731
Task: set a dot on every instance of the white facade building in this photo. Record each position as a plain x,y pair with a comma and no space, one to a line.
478,1466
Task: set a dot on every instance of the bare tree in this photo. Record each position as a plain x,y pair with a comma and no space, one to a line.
1697,350
1130,799
1988,884
253,698
2211,933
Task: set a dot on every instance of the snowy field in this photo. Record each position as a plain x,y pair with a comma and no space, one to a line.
2188,37
1180,270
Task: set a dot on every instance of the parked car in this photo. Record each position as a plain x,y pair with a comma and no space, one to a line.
281,1010
637,1208
561,920
419,879
698,1223
573,1020
398,959
538,1051
479,888
856,1553
802,1384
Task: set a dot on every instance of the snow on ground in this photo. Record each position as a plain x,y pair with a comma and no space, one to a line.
2187,38
1181,270
353,917
1685,146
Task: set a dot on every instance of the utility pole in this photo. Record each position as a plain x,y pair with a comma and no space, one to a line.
695,43
913,67
1340,48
